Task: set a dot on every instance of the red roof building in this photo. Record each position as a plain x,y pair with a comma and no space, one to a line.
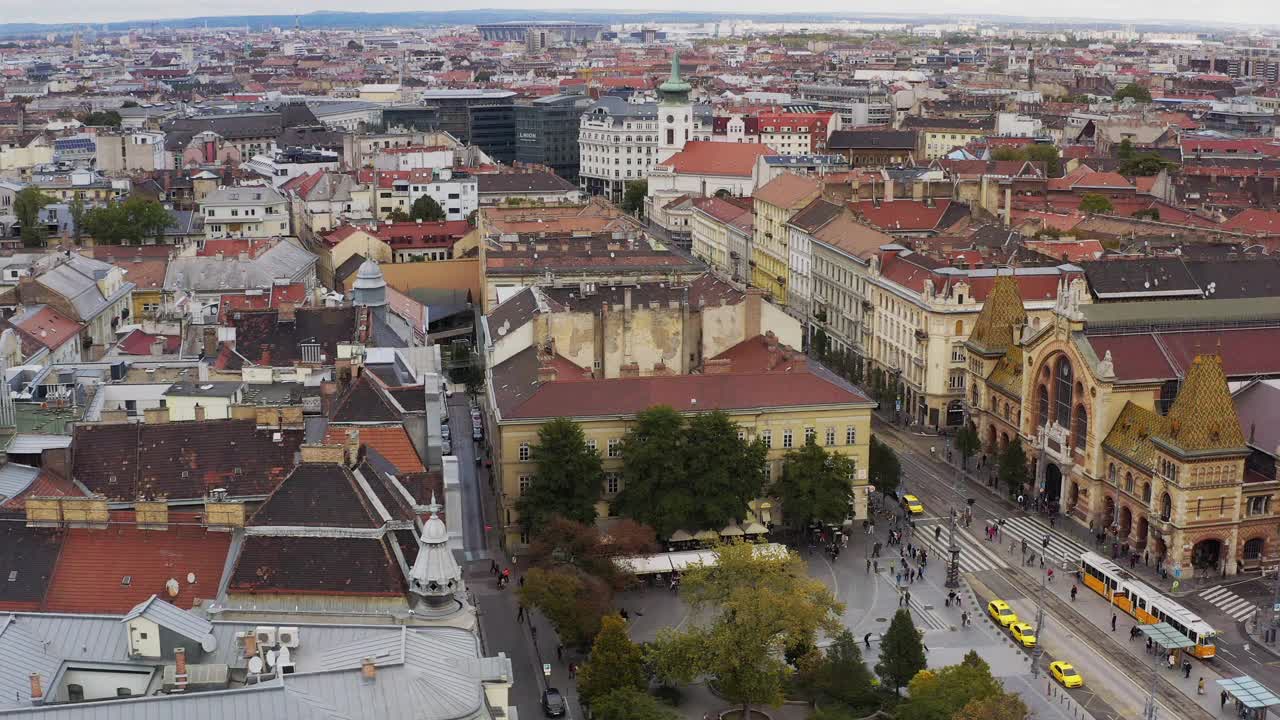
700,157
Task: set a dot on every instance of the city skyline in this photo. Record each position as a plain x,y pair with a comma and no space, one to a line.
1096,11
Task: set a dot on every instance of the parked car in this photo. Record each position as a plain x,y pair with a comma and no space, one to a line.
1023,633
1002,613
553,704
1066,674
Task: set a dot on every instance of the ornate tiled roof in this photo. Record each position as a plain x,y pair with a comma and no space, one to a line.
1131,435
1203,416
1007,374
1001,314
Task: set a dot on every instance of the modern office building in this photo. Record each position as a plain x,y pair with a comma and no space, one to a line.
547,133
482,117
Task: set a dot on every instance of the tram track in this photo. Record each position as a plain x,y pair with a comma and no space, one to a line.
1167,693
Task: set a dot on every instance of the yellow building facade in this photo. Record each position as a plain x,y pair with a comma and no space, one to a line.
775,203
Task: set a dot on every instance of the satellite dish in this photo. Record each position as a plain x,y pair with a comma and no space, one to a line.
191,578
255,665
171,587
208,643
271,658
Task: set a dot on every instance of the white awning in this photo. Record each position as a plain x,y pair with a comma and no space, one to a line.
680,536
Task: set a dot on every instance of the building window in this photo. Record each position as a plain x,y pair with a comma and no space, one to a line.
615,447
850,435
525,480
1259,505
786,438
831,436
767,437
742,436
612,483
810,435
524,452
1062,393
1146,492
957,353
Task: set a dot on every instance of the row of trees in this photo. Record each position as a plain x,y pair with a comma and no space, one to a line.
759,620
693,473
130,221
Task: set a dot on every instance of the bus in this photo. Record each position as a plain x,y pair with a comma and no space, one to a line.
1144,603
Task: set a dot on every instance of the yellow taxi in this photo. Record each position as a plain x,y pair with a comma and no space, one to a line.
1023,633
1064,673
1002,613
912,504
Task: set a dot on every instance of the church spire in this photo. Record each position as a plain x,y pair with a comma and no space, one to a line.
675,91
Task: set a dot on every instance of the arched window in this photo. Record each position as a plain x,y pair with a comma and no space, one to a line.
1062,392
1081,429
1111,473
1128,484
1146,492
1042,406
1166,507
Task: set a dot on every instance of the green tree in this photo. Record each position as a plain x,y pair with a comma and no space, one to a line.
1050,155
573,601
939,695
1144,165
565,543
1124,150
426,209
655,489
27,204
1135,91
633,198
567,480
631,704
100,118
1095,204
1014,474
616,663
815,485
728,469
967,443
1006,706
885,471
663,454
754,609
131,221
842,675
901,652
77,210
398,215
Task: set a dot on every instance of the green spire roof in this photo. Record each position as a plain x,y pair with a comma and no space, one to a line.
674,85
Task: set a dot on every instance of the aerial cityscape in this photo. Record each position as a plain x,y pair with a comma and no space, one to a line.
640,363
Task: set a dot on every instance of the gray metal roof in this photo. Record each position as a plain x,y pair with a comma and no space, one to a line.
15,478
1164,635
270,700
175,619
285,260
80,289
21,653
32,443
1249,692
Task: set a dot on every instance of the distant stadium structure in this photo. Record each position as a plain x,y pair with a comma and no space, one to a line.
517,31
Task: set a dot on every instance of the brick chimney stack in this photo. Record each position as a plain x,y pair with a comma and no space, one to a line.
37,692
180,669
547,374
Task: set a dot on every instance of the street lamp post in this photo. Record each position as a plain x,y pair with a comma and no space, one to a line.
1039,651
953,565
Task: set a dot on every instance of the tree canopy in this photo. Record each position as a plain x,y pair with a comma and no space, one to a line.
616,663
1135,91
842,675
901,652
948,692
885,472
633,198
128,222
567,480
1035,152
753,609
27,204
426,209
662,456
1096,204
101,118
631,704
967,443
815,485
573,601
1013,473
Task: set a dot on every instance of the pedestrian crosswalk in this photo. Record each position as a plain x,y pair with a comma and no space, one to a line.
1229,602
1061,548
975,555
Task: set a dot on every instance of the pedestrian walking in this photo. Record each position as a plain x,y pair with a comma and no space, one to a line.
560,652
1186,669
1074,590
1113,622
533,631
875,565
1222,699
908,598
897,578
868,566
520,614
493,567
1051,575
1041,561
573,670
866,640
937,532
1172,662
521,581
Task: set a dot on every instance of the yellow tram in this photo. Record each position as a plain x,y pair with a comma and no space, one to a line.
1144,603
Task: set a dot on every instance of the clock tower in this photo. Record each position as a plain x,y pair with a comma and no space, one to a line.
675,112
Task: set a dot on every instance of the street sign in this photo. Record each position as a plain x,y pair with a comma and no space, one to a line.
546,669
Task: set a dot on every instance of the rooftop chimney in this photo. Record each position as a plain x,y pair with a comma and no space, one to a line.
546,374
180,669
199,410
157,347
368,670
717,366
154,416
37,692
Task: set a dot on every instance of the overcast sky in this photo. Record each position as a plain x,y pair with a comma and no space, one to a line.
1242,11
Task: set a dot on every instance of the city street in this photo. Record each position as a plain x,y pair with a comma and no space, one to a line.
998,565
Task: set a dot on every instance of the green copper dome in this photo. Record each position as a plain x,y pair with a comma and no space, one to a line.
675,89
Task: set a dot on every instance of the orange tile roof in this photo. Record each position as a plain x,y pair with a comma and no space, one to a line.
789,191
89,574
701,157
391,442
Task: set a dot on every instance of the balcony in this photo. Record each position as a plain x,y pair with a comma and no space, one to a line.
922,335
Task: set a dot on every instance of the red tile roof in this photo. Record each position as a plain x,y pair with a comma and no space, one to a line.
1254,222
761,354
46,484
391,441
701,157
139,343
317,566
88,576
231,247
1247,352
902,214
46,327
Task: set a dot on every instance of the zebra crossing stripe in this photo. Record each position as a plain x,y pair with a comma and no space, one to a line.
1228,602
973,556
1213,593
